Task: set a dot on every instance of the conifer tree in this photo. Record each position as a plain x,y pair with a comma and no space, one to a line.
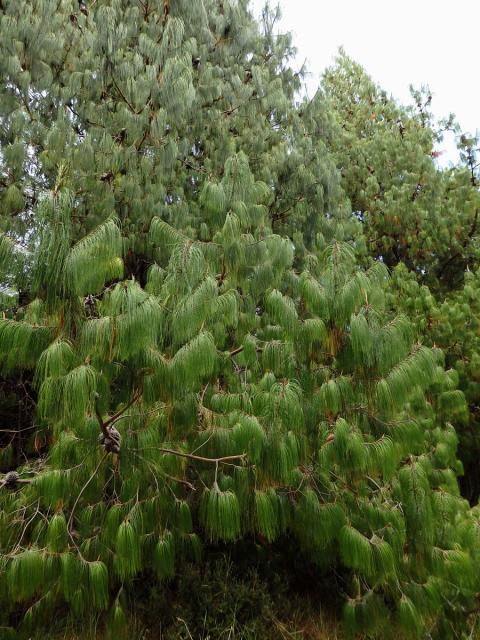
207,361
451,324
420,217
230,396
413,211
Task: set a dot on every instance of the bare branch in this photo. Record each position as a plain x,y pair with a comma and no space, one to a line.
181,454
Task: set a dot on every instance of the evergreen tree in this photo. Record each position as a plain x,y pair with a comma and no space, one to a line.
413,212
451,324
420,217
231,396
206,360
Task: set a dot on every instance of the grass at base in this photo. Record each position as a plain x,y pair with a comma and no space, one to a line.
312,628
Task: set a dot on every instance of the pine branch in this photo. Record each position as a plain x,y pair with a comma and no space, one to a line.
124,98
111,421
83,489
139,144
106,425
99,417
238,350
12,479
281,215
457,254
166,12
191,456
187,484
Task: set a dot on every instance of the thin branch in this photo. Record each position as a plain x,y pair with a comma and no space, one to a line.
105,425
117,415
166,12
4,483
181,454
30,520
138,145
33,426
179,480
238,350
84,487
191,166
281,215
124,97
100,419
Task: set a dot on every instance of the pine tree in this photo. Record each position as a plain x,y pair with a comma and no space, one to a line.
413,211
208,362
420,217
451,324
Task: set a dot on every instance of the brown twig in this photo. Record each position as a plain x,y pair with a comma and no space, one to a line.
117,415
139,144
124,97
238,350
180,481
100,419
173,452
166,11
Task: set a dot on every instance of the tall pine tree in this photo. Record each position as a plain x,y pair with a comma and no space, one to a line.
200,356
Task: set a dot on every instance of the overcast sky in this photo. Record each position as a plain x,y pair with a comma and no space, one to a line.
434,42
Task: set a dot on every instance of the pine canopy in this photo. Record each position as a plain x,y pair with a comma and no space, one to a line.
209,350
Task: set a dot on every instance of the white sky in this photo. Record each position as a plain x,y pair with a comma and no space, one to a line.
398,43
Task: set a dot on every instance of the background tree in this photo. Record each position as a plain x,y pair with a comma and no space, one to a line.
418,216
413,211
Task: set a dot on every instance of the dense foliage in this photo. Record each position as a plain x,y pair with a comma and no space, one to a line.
228,318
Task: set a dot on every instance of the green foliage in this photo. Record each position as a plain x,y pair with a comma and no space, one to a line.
57,534
98,584
355,549
220,514
26,574
164,556
208,354
128,550
413,212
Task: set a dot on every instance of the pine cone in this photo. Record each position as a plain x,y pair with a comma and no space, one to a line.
11,480
112,442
